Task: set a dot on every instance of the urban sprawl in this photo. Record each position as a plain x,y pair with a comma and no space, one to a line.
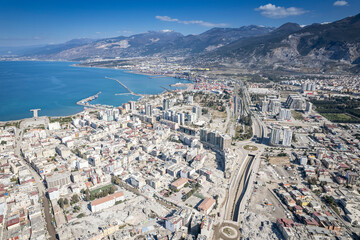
218,158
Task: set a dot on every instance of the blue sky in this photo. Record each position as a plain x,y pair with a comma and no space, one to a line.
36,22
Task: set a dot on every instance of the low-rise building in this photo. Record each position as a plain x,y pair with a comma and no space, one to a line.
207,205
106,202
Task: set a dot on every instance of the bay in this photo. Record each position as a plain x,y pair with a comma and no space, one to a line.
55,87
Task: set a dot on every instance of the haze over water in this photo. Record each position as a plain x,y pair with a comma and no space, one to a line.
55,87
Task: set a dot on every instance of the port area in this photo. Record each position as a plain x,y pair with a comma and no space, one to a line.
130,92
86,101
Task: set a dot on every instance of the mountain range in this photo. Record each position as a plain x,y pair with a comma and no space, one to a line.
329,47
152,43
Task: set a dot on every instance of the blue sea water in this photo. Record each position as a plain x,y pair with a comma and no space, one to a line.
55,87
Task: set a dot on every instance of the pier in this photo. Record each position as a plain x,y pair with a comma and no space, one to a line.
130,92
85,102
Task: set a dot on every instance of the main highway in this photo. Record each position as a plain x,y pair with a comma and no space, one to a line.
242,177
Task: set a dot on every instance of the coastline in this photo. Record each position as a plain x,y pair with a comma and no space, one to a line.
126,71
85,108
23,119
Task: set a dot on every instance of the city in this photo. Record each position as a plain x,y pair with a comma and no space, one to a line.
180,120
218,159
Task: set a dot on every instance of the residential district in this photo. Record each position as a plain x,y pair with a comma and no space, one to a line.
221,158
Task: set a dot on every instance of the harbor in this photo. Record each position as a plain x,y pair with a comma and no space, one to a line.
130,92
85,102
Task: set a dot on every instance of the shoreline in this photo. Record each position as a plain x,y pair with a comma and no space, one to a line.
127,71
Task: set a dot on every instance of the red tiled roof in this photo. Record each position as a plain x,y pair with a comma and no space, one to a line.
179,182
107,198
206,204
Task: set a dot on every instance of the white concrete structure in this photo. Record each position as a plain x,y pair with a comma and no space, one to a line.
287,137
106,202
174,223
35,112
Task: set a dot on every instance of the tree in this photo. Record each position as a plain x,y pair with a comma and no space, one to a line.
74,199
66,201
87,195
61,202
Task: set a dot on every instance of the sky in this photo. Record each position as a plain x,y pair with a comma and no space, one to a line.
39,22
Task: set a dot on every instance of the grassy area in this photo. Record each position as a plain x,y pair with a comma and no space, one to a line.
61,119
339,109
297,115
107,187
340,117
199,195
240,135
250,148
14,124
229,231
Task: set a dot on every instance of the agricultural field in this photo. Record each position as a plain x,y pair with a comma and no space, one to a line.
339,109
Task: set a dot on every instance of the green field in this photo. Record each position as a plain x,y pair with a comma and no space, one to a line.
339,117
339,109
101,189
297,115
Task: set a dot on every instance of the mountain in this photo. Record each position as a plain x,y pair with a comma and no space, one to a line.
55,48
318,47
214,38
152,43
331,47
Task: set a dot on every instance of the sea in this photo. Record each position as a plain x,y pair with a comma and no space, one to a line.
55,87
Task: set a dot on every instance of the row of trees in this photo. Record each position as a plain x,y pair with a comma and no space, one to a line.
90,196
64,201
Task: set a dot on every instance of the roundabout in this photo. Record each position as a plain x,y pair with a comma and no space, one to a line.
228,231
250,148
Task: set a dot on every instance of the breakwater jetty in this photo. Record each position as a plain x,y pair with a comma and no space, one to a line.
85,102
130,92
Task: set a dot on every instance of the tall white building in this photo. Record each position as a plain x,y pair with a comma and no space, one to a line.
287,137
197,111
190,99
264,106
132,105
148,109
182,118
285,114
275,135
274,106
166,104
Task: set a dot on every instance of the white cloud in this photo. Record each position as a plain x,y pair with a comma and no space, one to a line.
272,11
340,3
199,22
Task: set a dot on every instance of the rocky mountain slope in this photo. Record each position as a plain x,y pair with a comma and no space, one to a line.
331,47
320,47
152,43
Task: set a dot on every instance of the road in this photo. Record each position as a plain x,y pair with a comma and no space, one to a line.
38,181
241,190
